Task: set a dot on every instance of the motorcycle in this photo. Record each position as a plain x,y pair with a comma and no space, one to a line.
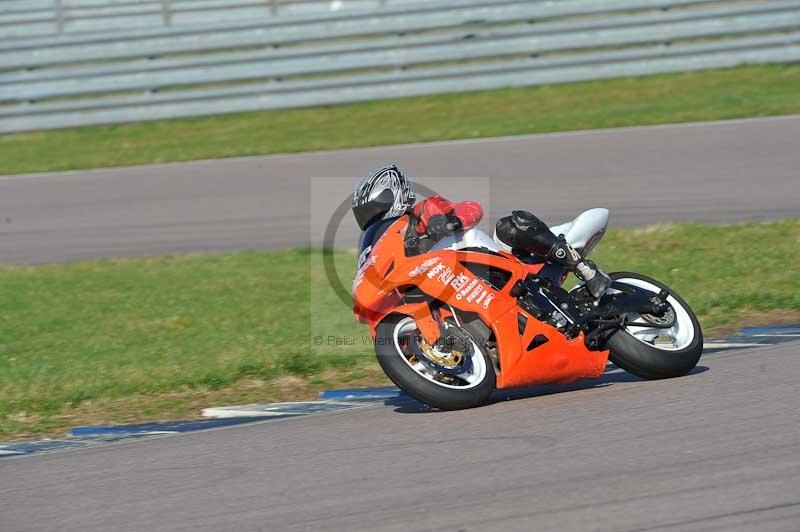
453,323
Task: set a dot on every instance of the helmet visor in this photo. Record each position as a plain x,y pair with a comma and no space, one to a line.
374,209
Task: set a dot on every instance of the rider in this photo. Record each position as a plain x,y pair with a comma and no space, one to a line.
387,193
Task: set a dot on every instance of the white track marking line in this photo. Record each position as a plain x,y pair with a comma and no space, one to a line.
729,345
222,413
280,410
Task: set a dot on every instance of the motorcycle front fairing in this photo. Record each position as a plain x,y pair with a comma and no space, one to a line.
529,351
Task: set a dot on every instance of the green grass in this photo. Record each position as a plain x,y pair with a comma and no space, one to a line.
71,334
125,340
719,94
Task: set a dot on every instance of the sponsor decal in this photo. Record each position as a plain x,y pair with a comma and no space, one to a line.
471,297
436,270
446,276
363,263
362,258
465,285
358,280
459,282
466,289
422,268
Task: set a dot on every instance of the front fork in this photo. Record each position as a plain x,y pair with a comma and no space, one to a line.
426,322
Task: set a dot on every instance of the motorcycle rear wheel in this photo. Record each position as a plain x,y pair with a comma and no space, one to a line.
658,353
445,392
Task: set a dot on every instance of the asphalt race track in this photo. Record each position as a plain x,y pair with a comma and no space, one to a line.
715,172
716,450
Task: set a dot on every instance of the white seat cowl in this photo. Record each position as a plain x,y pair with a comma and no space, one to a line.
580,231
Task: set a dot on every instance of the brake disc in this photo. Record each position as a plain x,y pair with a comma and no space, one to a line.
666,321
454,362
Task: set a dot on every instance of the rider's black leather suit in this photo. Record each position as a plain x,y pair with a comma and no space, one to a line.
525,233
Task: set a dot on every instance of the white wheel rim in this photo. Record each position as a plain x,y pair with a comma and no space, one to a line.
677,337
472,378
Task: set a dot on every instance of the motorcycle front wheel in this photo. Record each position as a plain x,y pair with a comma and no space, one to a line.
448,381
656,352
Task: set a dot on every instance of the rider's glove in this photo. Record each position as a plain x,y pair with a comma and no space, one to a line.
439,226
597,282
564,254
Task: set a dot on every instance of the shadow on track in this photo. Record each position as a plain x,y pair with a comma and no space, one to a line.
613,375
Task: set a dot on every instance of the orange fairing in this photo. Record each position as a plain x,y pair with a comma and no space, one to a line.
542,355
537,355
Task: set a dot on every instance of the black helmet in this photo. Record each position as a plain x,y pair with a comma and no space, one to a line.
383,193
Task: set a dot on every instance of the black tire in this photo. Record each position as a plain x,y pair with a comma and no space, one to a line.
418,386
648,362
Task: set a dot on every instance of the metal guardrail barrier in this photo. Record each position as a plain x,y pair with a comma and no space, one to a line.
400,49
19,18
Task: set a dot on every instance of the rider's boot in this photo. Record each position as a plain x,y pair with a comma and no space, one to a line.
524,232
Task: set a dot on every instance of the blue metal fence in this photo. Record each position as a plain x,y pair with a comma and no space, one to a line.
392,49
